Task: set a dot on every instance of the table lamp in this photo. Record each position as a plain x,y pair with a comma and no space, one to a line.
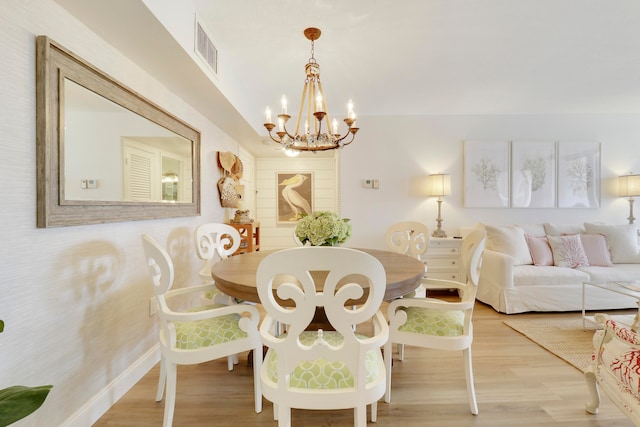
629,186
439,184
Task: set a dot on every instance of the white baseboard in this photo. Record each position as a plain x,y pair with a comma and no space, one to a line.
99,404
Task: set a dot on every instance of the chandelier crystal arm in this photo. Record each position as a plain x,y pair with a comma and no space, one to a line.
284,132
352,132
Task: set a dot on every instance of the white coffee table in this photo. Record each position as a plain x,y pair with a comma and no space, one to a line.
628,288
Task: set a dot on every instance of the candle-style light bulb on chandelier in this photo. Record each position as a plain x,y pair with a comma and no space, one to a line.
314,136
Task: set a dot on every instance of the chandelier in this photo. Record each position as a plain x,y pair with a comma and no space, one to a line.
314,136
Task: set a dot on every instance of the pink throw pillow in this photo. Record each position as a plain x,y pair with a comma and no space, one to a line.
540,250
595,247
568,251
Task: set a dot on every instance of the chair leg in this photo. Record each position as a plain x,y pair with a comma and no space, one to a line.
162,380
374,412
593,404
401,351
360,416
388,357
257,387
468,373
284,416
230,363
170,400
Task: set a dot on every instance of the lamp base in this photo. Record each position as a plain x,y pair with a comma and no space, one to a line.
439,232
631,218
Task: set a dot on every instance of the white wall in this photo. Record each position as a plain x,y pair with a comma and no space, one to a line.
401,151
75,300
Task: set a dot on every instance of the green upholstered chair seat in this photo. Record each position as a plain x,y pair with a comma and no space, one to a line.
208,332
320,373
211,294
430,321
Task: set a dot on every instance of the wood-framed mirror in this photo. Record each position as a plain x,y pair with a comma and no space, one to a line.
104,152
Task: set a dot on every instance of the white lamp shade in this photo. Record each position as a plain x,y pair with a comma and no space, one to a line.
629,185
439,184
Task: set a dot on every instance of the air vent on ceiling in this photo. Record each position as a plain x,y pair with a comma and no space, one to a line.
205,48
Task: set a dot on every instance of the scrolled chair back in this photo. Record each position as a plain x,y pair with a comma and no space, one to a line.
216,239
409,238
296,265
293,284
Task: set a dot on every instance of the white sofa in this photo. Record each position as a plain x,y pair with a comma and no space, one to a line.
518,275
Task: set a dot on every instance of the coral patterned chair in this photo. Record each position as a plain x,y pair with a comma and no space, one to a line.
312,368
615,367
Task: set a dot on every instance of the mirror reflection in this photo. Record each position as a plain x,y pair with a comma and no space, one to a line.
114,154
104,153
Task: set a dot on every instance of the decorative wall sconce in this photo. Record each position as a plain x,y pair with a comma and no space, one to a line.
629,186
439,185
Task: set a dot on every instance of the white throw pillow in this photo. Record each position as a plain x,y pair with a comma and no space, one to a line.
621,239
533,229
510,240
561,229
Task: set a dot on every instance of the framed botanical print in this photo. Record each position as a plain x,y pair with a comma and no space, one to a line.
486,174
295,196
533,174
578,174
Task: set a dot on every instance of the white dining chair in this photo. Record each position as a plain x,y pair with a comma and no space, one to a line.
215,241
408,237
199,334
311,367
440,324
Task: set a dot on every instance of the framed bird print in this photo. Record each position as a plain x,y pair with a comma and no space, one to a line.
295,196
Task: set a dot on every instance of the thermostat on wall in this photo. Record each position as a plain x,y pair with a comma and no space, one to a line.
370,183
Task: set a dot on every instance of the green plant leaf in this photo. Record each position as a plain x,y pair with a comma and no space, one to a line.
1,325
18,401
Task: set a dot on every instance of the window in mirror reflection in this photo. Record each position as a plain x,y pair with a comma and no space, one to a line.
130,157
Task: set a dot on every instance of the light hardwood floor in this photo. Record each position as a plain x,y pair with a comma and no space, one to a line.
517,383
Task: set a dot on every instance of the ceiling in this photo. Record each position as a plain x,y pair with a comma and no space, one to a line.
416,57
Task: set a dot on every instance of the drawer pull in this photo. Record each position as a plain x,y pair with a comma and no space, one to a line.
453,263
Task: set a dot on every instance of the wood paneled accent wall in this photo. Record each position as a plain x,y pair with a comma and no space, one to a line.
326,191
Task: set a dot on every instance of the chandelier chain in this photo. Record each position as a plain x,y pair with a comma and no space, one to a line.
313,58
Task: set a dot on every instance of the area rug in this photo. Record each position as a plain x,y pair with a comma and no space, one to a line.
565,338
